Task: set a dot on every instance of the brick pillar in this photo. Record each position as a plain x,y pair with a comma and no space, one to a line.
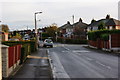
5,61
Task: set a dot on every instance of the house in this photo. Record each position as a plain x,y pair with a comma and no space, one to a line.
107,23
4,31
113,24
4,36
66,30
80,29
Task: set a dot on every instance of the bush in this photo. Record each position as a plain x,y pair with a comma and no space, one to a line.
105,37
25,51
94,35
72,41
12,43
60,40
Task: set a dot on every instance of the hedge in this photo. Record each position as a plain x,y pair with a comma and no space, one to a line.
71,41
93,35
105,37
25,51
12,43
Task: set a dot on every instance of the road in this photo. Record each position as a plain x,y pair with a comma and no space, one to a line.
76,61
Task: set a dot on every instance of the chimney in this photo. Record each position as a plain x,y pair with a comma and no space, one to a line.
93,20
68,22
108,16
80,20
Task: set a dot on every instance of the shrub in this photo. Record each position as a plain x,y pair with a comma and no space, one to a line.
72,41
105,37
94,35
25,51
12,43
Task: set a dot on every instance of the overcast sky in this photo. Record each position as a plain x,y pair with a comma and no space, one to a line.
18,14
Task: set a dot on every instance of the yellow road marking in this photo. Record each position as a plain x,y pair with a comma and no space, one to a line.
36,57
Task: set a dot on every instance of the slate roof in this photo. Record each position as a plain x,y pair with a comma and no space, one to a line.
113,22
67,25
80,24
108,22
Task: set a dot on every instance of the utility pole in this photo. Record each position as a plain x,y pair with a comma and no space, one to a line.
73,19
36,32
27,27
73,25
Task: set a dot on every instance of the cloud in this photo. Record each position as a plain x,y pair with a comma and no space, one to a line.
20,13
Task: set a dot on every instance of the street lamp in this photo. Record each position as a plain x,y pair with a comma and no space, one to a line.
36,35
56,35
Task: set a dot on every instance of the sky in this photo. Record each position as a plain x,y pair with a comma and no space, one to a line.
19,14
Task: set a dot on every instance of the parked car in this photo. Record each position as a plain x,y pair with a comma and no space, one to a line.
48,42
14,39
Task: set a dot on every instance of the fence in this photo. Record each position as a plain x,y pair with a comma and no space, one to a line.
10,59
13,55
112,44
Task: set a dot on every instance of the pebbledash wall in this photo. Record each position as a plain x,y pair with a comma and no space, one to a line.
112,44
10,59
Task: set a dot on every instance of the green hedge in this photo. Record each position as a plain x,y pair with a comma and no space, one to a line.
94,35
71,41
12,43
25,51
27,48
105,37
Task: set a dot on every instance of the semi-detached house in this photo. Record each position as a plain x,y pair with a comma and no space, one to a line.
109,23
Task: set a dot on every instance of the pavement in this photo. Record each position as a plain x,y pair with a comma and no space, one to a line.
36,66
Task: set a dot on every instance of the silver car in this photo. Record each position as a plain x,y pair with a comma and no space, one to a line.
48,42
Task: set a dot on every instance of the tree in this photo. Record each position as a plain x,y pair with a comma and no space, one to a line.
52,29
101,26
4,28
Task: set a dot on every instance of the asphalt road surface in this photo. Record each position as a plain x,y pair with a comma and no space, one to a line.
76,61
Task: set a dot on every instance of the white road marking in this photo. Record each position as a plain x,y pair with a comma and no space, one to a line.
58,67
103,65
90,59
77,53
80,51
65,51
66,48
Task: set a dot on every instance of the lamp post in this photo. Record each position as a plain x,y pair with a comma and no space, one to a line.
56,35
36,35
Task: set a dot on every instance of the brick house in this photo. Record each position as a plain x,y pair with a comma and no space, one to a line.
66,30
80,29
109,23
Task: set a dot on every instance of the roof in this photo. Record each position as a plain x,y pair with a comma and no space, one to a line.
68,25
80,24
107,22
113,22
